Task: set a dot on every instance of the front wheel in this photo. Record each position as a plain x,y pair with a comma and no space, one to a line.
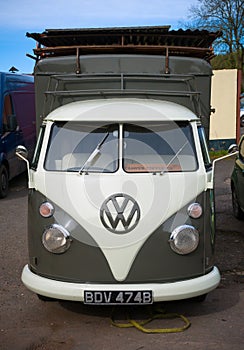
238,213
3,181
242,120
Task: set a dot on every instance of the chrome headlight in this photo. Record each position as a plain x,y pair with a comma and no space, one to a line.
56,239
184,239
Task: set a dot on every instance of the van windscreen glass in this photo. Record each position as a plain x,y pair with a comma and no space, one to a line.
159,147
83,147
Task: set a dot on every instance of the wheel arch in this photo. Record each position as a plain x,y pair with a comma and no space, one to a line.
3,161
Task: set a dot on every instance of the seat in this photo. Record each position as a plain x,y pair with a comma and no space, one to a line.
77,160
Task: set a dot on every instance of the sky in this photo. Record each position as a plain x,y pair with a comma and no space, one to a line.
20,16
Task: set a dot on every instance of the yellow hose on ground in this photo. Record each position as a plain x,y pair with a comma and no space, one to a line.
157,314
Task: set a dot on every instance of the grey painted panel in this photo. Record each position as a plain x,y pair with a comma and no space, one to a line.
101,78
85,262
156,261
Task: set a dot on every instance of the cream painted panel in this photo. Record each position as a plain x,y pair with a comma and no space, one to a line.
223,99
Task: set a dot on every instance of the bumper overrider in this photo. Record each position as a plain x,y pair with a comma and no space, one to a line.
160,291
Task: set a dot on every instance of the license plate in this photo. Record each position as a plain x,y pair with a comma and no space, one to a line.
118,297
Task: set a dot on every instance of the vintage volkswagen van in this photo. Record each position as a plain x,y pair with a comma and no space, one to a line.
121,204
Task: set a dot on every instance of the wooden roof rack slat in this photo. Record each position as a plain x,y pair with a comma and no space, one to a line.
149,40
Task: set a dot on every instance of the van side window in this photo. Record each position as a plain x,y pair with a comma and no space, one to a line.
9,119
204,148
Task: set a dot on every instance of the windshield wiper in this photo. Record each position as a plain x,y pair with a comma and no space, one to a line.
93,156
175,156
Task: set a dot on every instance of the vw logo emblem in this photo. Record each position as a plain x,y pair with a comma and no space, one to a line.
120,213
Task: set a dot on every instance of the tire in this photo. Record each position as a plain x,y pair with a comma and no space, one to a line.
242,120
238,213
3,181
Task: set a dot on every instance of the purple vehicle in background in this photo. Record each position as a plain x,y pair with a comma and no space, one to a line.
17,124
242,110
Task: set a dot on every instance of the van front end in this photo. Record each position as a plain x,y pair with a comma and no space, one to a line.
120,211
157,271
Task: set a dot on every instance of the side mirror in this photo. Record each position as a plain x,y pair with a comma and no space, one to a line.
21,152
233,148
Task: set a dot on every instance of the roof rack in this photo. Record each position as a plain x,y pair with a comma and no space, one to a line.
123,84
136,40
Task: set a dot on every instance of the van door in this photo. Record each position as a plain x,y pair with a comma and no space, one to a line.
10,137
240,173
24,108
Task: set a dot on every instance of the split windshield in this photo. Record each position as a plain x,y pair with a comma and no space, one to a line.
137,148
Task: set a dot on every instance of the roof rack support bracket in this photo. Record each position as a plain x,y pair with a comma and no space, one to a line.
167,71
78,70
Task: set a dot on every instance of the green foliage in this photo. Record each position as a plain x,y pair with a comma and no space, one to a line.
226,61
217,154
226,16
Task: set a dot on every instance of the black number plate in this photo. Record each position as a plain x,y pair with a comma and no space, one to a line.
118,297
